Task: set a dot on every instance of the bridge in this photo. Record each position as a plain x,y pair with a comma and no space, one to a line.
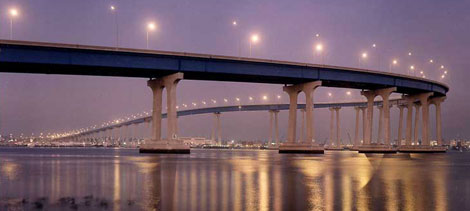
166,69
105,132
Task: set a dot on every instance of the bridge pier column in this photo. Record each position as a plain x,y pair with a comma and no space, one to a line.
416,127
276,127
384,121
370,95
218,128
293,92
302,126
338,129
364,122
172,144
379,133
437,102
332,127
385,94
400,125
356,129
309,90
302,147
157,89
424,99
409,118
271,125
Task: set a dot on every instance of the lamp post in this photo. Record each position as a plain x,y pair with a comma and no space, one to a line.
235,25
113,11
392,64
150,27
319,49
253,40
13,13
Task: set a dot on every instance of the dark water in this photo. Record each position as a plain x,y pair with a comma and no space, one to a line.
123,179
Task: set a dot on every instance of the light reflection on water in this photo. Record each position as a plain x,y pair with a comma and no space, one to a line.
95,179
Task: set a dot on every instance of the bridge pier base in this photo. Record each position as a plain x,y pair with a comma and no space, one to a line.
171,144
306,145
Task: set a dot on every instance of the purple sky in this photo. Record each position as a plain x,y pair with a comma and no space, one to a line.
49,103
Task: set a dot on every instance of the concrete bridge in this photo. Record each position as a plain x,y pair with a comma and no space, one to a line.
166,69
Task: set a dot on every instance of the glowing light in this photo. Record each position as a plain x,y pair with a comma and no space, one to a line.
409,54
443,76
317,35
330,94
442,66
250,98
13,12
319,47
234,23
364,55
265,97
374,45
395,61
412,67
348,92
279,97
445,72
237,99
151,26
112,8
225,100
254,38
431,61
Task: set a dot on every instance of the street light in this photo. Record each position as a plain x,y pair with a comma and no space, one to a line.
150,27
394,63
319,49
253,40
363,57
13,13
113,11
235,25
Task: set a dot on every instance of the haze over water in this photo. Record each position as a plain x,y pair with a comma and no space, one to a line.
123,179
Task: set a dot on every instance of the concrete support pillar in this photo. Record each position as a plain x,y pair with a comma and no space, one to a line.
271,125
338,131
276,126
364,122
332,126
356,130
385,94
400,124
219,129
170,83
293,92
379,133
309,89
437,102
409,118
424,100
157,89
416,127
370,95
302,126
214,128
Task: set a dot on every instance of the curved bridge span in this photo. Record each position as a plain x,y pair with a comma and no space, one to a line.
235,108
67,59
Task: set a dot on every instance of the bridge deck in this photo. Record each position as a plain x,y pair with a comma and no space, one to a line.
50,58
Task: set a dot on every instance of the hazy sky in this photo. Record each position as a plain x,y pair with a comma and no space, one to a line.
430,29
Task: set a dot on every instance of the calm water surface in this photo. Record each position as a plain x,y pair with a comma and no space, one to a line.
123,179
